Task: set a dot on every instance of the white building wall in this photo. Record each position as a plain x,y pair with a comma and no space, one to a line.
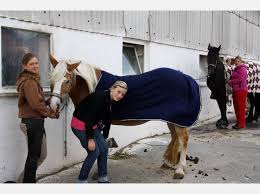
103,51
100,50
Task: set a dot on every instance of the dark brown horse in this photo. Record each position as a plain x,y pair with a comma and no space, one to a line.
216,82
79,79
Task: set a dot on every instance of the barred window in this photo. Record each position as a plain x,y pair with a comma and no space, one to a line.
16,43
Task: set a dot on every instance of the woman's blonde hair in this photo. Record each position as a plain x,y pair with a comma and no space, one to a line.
120,83
238,58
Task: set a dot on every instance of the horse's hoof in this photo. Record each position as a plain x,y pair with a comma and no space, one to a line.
111,142
178,174
249,119
219,122
164,166
223,127
167,164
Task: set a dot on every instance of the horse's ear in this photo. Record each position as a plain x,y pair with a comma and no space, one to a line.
54,62
219,47
71,67
209,46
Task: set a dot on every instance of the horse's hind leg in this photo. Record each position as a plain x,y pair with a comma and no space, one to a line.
171,155
176,151
221,100
257,106
250,96
183,138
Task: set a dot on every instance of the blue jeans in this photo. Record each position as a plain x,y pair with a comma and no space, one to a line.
100,153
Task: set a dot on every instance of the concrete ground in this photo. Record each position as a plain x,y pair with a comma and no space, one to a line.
225,156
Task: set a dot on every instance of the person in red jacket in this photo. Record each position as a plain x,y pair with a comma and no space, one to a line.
238,83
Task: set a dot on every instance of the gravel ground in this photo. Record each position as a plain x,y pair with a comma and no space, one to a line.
225,156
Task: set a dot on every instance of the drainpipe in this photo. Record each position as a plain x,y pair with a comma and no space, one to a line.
65,127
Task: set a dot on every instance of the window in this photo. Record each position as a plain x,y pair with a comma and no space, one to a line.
133,59
16,43
203,69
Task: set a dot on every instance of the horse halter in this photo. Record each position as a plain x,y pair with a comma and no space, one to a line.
213,65
63,99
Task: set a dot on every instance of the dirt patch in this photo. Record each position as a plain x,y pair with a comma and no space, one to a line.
120,156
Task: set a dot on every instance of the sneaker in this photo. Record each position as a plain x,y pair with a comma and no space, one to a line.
103,179
103,182
82,181
235,126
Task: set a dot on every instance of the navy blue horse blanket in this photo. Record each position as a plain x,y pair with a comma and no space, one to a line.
160,94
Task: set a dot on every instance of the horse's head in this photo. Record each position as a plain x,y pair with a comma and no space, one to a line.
213,57
61,81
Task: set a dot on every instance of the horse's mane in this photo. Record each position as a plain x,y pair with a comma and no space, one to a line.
84,70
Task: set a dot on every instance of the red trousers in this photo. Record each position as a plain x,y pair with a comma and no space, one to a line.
239,101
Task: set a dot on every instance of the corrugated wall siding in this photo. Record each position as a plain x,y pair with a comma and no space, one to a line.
109,22
178,28
237,31
242,37
205,29
193,29
256,43
74,20
217,28
160,26
249,40
226,42
234,31
42,17
136,24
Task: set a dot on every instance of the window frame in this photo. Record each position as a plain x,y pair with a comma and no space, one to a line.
134,44
203,82
20,25
138,62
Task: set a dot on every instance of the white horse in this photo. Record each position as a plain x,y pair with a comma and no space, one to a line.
79,79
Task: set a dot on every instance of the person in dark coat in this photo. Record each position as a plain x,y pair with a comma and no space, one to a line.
91,123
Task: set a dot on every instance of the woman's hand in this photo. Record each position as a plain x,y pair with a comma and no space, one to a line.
48,101
91,144
54,115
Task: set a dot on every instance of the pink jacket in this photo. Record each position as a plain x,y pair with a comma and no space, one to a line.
238,78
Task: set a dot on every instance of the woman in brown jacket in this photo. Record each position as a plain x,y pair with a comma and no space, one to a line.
32,111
